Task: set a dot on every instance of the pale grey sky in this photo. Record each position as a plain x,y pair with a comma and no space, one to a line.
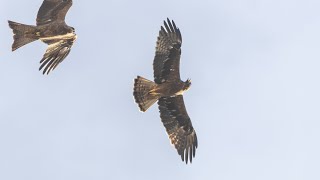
254,100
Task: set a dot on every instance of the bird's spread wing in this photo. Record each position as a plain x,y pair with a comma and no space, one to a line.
53,10
55,54
168,50
178,126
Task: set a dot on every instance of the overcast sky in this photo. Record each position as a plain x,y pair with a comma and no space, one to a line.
254,100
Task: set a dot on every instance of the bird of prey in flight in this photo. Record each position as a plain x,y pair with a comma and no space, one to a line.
167,89
50,29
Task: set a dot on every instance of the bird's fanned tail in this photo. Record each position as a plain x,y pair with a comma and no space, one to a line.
142,93
20,37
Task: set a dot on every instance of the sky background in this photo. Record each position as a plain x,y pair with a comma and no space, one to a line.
254,100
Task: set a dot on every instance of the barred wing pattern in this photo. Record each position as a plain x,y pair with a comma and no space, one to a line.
178,126
168,50
56,52
53,10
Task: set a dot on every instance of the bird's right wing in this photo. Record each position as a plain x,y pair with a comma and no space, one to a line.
53,10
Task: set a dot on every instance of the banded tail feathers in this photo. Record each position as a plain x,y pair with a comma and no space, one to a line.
142,93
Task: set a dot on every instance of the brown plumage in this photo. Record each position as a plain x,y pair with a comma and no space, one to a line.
50,29
167,89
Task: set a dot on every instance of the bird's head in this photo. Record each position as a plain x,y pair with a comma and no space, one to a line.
187,84
71,30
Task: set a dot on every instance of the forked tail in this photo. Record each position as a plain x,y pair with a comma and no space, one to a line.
20,36
142,93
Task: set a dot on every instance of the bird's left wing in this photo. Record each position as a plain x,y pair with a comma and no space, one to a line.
53,10
56,52
178,126
166,62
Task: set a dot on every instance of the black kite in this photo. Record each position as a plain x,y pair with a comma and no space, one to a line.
50,29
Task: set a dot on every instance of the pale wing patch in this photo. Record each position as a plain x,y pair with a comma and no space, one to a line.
60,37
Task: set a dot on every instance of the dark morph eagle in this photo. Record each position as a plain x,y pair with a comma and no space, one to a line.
50,29
167,89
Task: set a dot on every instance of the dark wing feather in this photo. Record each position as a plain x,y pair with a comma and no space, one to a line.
168,50
178,126
56,52
53,10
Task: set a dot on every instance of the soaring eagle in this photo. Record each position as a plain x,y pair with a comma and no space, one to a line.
50,29
167,89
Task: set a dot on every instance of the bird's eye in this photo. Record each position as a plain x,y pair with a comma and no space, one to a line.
64,0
